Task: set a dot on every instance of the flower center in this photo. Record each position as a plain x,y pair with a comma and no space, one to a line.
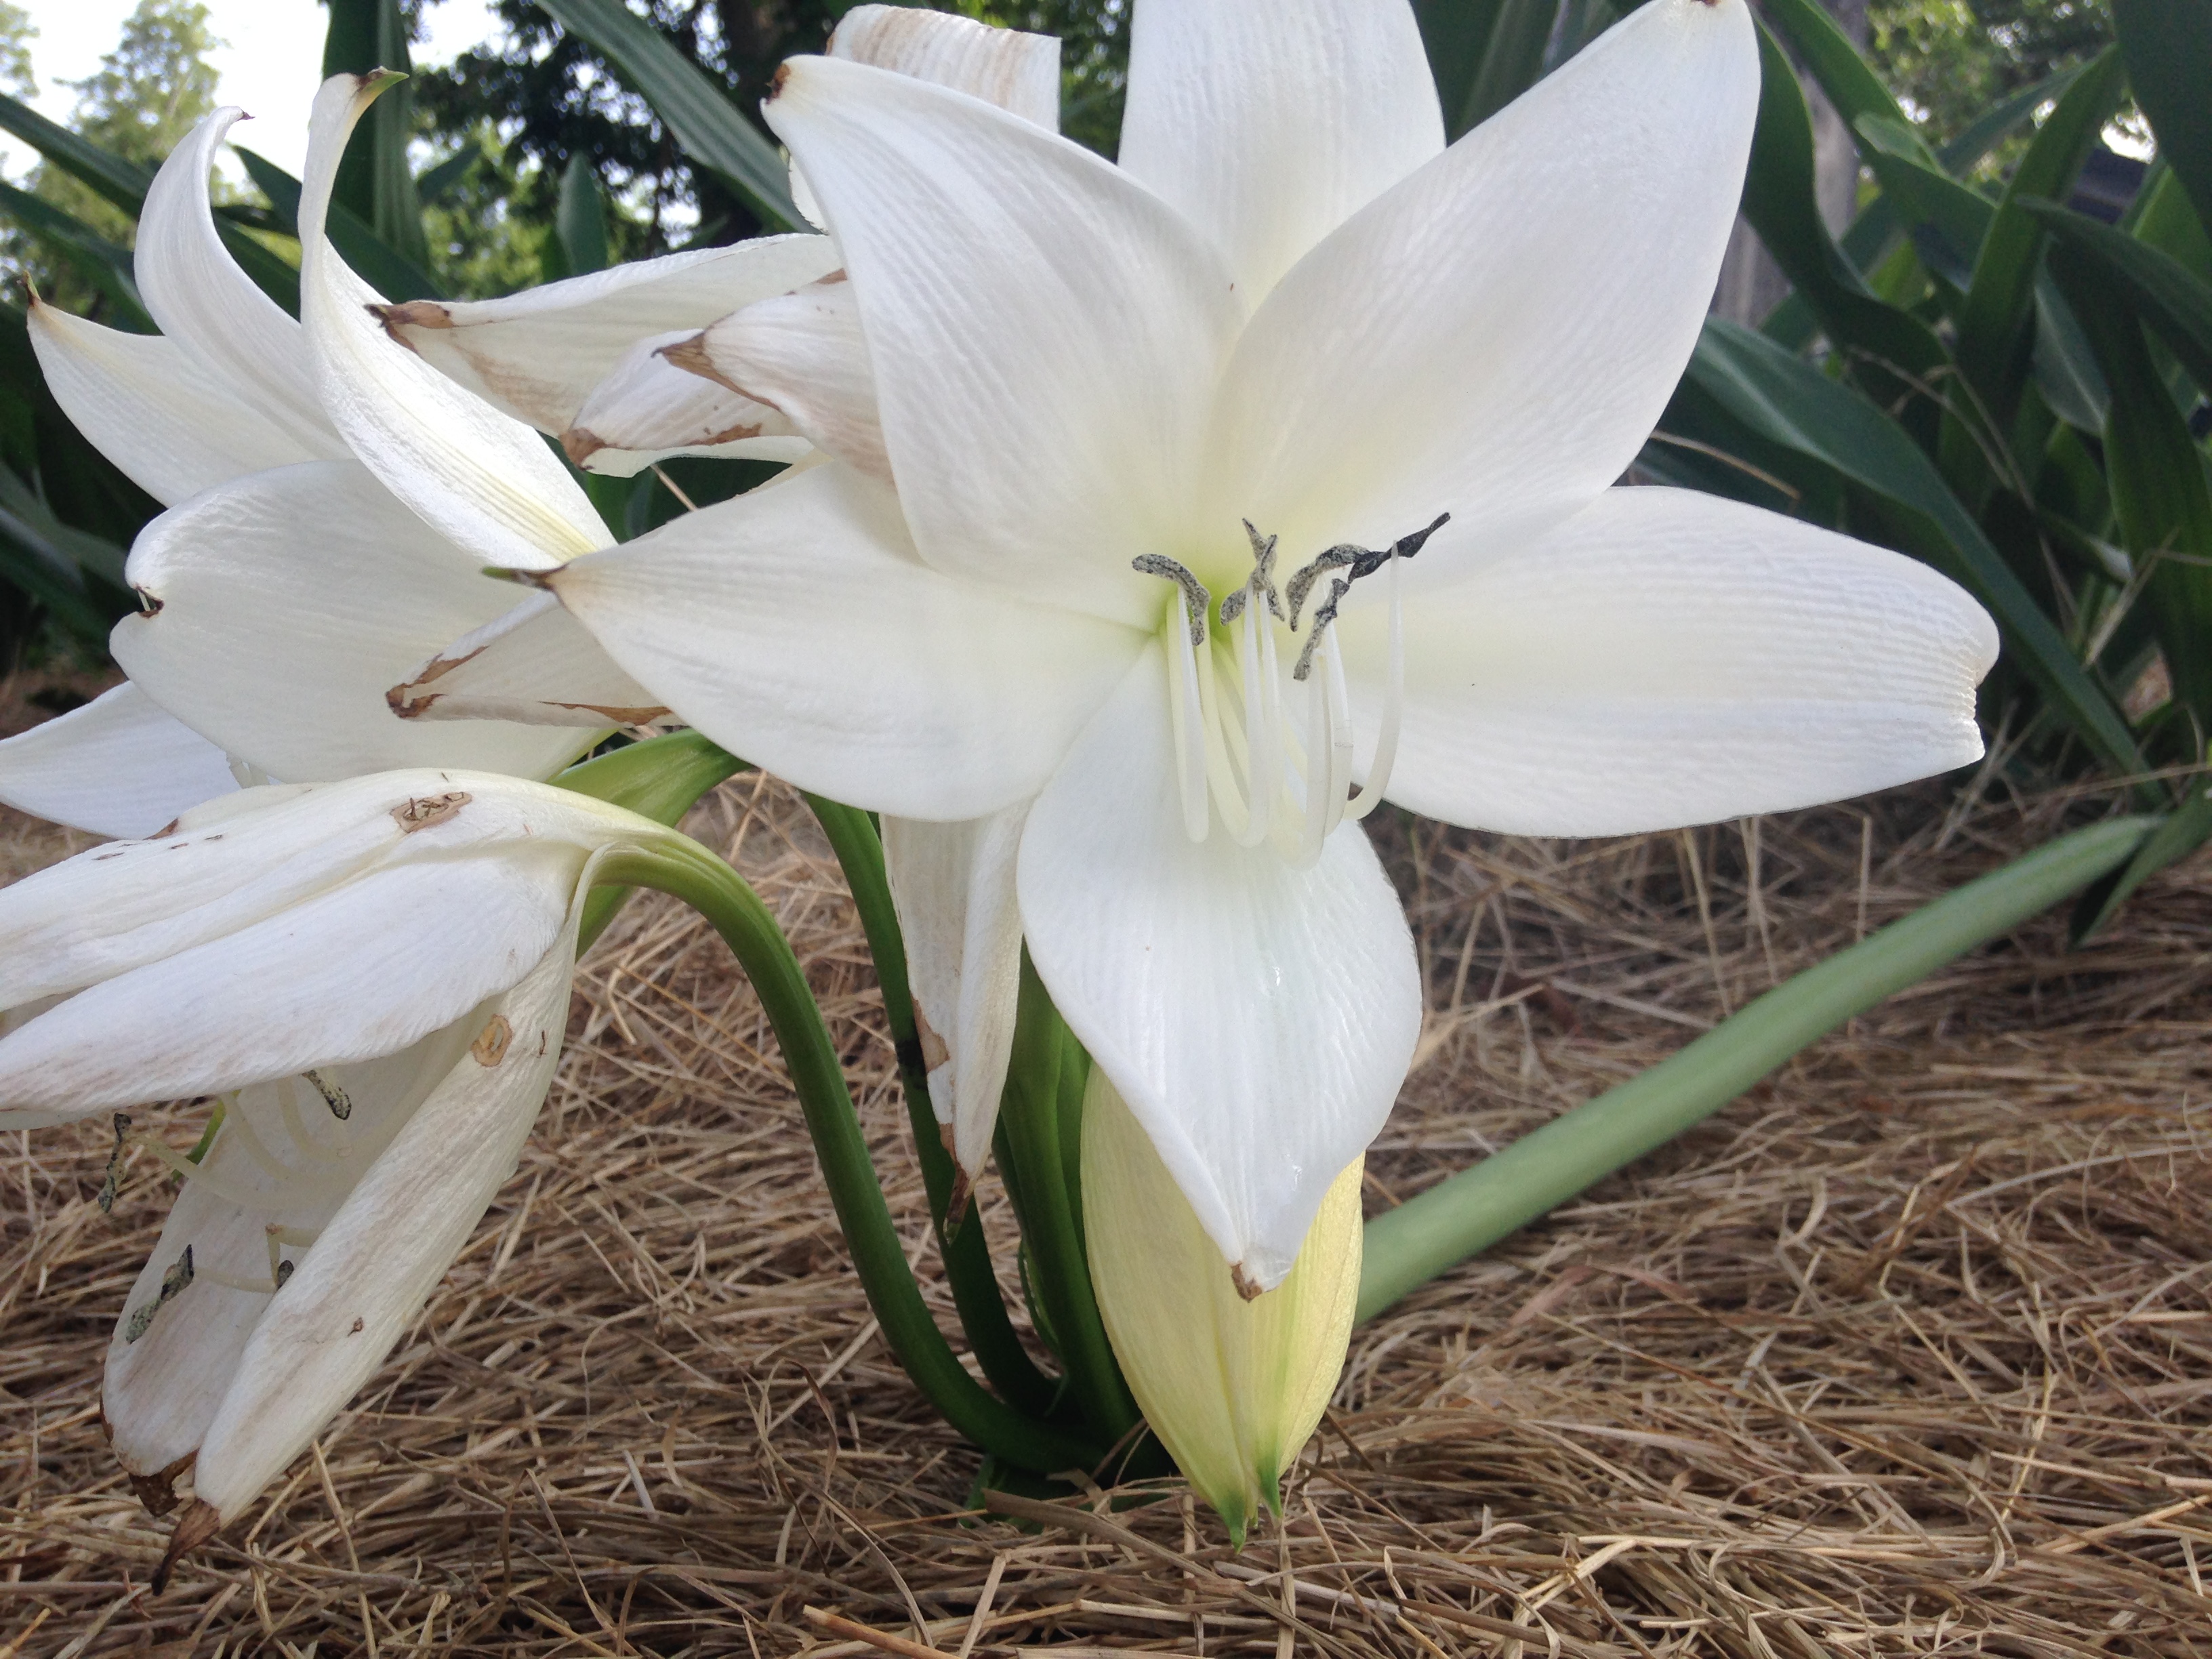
1238,749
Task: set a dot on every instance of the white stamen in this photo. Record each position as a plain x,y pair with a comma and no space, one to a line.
1339,731
1220,767
1263,747
1189,721
1315,828
1394,706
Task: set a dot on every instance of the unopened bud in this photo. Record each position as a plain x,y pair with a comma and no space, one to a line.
1233,1387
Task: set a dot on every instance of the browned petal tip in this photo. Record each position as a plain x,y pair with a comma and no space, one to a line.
690,356
412,314
402,700
955,1201
1246,1287
194,1527
581,443
158,1490
775,86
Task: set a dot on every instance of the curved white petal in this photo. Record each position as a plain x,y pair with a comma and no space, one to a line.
805,354
1496,336
795,627
1257,1019
148,406
482,479
213,310
287,603
1018,71
953,884
1667,658
168,1370
537,355
356,972
535,664
647,409
119,766
1268,126
1044,330
364,1279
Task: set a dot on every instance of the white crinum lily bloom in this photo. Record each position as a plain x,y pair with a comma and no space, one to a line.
371,978
1293,306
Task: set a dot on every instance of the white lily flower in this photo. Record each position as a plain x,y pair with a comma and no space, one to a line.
1293,306
371,977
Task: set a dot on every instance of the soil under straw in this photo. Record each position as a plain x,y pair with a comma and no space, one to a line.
1907,1352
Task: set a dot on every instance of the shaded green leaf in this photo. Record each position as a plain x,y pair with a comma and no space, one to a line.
2156,286
373,179
123,183
711,129
580,217
1836,66
385,269
1793,404
432,186
2180,833
2168,46
106,266
1999,123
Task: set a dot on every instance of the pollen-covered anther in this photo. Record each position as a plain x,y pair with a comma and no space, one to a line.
1197,599
339,1101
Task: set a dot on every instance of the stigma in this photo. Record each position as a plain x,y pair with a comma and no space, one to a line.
1272,754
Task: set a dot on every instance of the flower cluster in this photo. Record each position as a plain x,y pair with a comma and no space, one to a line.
1144,525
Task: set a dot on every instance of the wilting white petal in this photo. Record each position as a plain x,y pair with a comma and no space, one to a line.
359,971
169,1369
795,626
213,310
1018,71
537,355
1496,337
1043,332
954,887
287,603
366,1278
148,405
647,409
119,766
1667,658
481,479
804,353
535,664
1257,1019
1268,126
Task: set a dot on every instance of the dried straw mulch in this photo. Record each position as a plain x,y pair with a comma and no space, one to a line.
1906,1354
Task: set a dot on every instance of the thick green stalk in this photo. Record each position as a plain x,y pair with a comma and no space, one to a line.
1033,1118
1412,1244
662,779
991,1333
711,887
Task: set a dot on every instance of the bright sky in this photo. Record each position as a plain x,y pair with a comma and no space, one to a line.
272,54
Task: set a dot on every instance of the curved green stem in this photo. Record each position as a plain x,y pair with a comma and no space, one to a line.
1469,1211
982,1309
662,779
704,882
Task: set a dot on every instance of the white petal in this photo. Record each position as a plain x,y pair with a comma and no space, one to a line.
119,766
537,355
212,309
795,626
356,972
1044,332
289,604
1667,658
1018,71
804,353
1496,336
535,664
954,887
481,479
366,1278
1268,126
163,1387
647,409
148,405
1258,1019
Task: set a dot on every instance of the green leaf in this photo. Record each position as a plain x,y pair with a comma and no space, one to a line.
123,183
1835,63
106,266
1484,53
373,179
2161,492
580,217
2157,287
2180,833
1998,123
36,565
384,268
1793,404
1948,220
1779,200
2169,46
1996,324
448,173
697,113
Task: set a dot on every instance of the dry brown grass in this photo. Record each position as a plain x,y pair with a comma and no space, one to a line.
1904,1353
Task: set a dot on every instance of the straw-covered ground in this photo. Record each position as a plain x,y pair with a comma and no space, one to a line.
1909,1352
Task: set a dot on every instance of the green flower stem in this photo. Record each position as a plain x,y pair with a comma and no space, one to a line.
1469,1211
692,873
1035,1117
991,1334
662,779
